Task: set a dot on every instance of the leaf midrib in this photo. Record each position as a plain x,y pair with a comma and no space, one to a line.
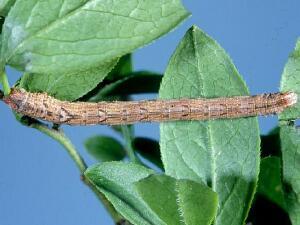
115,194
208,130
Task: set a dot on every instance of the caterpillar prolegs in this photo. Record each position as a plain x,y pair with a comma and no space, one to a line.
44,107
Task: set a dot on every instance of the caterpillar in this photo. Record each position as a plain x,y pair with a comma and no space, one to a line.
44,107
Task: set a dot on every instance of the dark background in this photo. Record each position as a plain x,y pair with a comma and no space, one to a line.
39,184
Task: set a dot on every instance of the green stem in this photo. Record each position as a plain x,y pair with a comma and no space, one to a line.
128,144
5,83
61,138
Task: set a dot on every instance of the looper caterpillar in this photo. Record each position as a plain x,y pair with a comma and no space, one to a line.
42,106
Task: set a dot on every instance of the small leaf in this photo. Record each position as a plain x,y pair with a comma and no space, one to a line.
149,149
5,6
178,202
270,184
75,36
68,87
270,144
105,149
290,143
224,154
122,69
142,82
116,181
290,81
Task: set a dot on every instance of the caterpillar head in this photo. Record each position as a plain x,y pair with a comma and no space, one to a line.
16,98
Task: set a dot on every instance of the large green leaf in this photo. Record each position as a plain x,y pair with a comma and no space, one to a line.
5,6
105,149
68,87
116,181
64,37
270,184
290,81
290,143
221,153
179,202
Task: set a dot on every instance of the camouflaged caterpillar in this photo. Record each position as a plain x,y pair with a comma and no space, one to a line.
44,107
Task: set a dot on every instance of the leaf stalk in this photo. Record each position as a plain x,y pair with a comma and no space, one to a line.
128,144
5,83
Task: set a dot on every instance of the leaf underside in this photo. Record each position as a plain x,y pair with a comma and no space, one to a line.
105,149
67,87
270,184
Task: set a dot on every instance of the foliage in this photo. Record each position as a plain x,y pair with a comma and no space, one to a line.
223,154
205,172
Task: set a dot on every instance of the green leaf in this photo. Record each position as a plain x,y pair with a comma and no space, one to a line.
128,86
105,149
290,143
270,184
5,6
290,81
270,144
179,202
223,154
2,19
122,69
116,181
149,149
72,36
68,87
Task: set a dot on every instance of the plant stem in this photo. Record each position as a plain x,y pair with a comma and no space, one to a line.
128,144
61,138
5,83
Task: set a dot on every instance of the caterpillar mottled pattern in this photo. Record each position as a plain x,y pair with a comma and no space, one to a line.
44,107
